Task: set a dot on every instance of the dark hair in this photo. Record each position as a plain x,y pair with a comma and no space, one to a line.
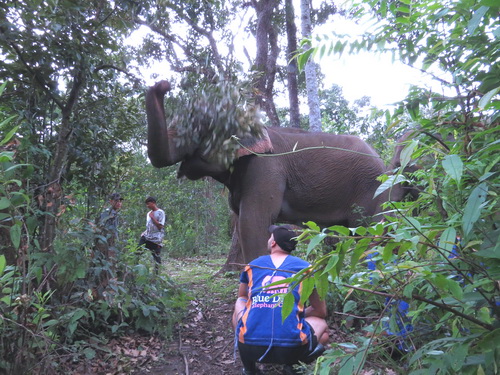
284,237
115,197
150,199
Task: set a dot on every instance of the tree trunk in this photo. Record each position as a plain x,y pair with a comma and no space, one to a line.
311,72
292,70
51,197
267,55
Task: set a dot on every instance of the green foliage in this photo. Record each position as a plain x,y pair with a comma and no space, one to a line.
214,117
440,254
55,302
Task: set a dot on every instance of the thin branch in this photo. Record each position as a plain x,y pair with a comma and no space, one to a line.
38,77
443,306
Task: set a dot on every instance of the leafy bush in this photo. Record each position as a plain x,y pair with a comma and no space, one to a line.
444,263
56,304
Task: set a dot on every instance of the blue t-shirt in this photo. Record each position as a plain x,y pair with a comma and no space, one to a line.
261,322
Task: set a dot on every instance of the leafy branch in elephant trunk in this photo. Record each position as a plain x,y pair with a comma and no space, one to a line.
212,116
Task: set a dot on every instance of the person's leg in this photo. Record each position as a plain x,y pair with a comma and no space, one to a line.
320,328
157,258
249,355
140,245
157,254
155,251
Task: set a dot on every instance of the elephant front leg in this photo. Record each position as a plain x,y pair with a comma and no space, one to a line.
253,224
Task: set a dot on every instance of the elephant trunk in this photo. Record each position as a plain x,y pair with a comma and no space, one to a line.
162,151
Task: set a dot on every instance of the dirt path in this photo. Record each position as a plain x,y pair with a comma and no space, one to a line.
204,342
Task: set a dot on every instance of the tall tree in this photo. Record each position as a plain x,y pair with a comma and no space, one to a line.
52,69
311,69
291,64
266,36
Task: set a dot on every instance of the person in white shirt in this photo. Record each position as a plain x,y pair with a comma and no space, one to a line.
152,237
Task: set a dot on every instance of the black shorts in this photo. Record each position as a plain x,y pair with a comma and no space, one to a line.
149,245
285,355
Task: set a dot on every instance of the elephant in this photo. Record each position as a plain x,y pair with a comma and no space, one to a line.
296,176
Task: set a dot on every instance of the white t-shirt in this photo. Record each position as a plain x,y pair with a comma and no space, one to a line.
152,233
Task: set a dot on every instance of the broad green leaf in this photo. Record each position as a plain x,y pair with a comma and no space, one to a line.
389,183
448,239
349,306
476,19
332,262
312,225
486,99
388,251
340,229
414,223
78,314
89,353
6,156
472,210
490,3
304,58
456,356
321,284
361,231
360,248
490,340
440,281
315,241
3,262
355,363
50,323
4,203
408,290
307,288
455,289
10,134
453,166
407,152
376,230
15,235
490,247
288,303
2,87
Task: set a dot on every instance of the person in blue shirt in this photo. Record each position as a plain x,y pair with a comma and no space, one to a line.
261,334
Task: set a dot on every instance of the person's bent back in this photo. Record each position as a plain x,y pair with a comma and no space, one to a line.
261,333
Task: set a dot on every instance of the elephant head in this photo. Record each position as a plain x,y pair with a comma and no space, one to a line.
165,147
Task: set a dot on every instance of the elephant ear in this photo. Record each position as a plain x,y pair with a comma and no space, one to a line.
254,145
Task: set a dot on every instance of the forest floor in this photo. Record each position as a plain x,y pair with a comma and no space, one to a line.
203,343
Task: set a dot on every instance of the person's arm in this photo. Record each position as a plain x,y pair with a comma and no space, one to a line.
240,304
317,306
155,222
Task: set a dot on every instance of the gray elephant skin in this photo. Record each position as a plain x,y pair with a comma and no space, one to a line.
330,186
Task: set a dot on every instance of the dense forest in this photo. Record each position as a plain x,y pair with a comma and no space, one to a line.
424,282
